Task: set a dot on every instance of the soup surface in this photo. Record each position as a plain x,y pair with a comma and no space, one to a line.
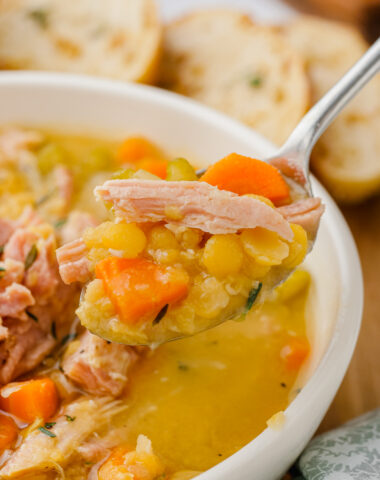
197,400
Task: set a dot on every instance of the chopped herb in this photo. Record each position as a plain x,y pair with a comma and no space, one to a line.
67,338
31,257
298,390
49,425
255,81
54,331
182,366
283,384
2,249
47,432
161,314
70,419
44,198
89,463
60,369
39,16
2,272
252,297
59,223
31,315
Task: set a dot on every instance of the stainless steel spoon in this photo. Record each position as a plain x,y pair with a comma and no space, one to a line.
300,143
297,148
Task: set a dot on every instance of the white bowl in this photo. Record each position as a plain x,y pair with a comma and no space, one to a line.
80,104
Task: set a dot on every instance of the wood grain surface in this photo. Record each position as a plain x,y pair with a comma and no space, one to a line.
360,390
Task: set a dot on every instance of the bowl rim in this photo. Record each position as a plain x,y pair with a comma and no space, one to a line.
346,330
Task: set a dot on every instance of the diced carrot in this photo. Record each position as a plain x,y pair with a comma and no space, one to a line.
153,165
244,175
295,352
8,432
134,149
113,465
126,463
140,288
30,399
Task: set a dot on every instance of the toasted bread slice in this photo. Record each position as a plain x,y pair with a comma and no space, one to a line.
118,38
347,158
221,58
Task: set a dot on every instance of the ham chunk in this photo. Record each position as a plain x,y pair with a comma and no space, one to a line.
73,264
30,338
98,366
24,347
76,224
42,277
14,140
14,300
6,230
20,244
65,185
191,204
306,213
11,271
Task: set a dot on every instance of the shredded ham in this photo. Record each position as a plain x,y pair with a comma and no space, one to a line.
14,300
76,224
73,263
65,184
191,204
306,213
14,140
6,230
11,271
98,366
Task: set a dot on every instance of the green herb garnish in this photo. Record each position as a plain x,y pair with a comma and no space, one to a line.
47,432
255,81
44,198
54,331
59,223
182,366
31,257
2,272
161,314
67,338
39,16
2,249
70,419
49,425
252,297
32,316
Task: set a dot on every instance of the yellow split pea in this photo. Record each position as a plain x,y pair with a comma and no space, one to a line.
125,237
223,255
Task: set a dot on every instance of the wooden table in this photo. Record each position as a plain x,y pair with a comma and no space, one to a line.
360,390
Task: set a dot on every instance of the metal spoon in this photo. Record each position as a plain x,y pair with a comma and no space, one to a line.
297,149
300,143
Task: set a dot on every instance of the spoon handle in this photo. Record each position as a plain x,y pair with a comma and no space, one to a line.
314,123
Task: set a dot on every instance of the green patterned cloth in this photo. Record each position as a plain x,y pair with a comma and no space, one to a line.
350,452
